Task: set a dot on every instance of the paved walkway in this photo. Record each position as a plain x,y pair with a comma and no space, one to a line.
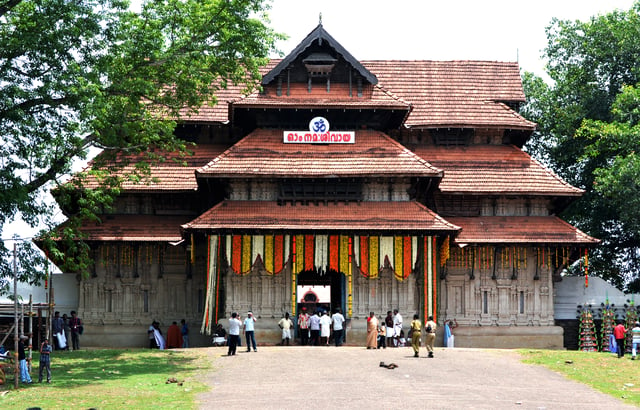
299,377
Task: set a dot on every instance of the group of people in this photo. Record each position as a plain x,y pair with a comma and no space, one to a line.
177,336
388,332
317,329
619,333
45,360
65,329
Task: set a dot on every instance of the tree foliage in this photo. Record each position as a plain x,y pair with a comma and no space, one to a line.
76,74
588,130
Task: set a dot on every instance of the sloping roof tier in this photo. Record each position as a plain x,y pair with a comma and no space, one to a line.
263,154
406,216
299,97
455,93
519,229
441,93
175,173
493,169
136,228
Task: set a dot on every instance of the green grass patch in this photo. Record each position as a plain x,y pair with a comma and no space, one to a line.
113,379
602,371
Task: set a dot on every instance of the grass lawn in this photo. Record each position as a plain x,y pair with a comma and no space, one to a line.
603,371
113,379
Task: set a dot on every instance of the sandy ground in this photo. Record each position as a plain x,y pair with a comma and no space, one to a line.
297,377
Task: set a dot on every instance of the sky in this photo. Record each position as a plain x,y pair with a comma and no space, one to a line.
498,30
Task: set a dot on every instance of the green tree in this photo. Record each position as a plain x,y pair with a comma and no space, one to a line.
77,74
587,130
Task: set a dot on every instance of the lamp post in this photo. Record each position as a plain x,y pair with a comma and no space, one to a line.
16,362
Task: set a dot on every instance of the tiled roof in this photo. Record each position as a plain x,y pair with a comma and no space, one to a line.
369,216
441,93
519,229
263,154
176,173
455,93
493,169
135,228
299,97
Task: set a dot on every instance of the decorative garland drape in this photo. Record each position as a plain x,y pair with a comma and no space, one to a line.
336,252
211,300
328,252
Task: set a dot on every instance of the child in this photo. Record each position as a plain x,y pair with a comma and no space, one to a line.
45,360
635,332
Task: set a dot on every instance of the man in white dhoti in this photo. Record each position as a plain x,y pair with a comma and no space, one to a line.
397,326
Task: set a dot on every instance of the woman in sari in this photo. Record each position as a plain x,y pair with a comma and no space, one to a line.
372,331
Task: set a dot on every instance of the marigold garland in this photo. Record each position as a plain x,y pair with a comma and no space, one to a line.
445,252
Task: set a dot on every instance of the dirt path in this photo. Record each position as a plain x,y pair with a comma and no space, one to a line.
300,377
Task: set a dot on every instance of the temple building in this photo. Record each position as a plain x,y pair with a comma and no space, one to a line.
360,185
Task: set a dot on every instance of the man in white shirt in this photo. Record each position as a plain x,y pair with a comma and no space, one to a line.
285,324
234,333
337,321
397,326
249,331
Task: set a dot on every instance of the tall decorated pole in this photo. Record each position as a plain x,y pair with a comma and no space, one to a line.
630,322
608,323
588,341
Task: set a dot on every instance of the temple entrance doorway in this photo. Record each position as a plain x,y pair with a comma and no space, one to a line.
320,290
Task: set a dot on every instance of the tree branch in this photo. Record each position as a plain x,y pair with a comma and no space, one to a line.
29,104
8,5
59,165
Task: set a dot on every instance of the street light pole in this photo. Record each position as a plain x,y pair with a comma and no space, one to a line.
16,362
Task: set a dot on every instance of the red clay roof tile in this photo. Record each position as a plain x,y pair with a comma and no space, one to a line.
374,97
493,169
176,173
519,229
264,154
441,93
369,216
158,228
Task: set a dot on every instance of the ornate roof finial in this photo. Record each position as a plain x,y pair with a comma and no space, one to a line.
320,19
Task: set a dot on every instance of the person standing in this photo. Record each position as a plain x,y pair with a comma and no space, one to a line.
234,333
67,330
415,335
635,339
57,328
618,332
249,331
337,321
303,326
76,330
156,340
372,331
314,328
325,328
397,326
152,338
388,323
449,325
184,331
382,335
25,377
285,324
174,336
45,361
430,328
